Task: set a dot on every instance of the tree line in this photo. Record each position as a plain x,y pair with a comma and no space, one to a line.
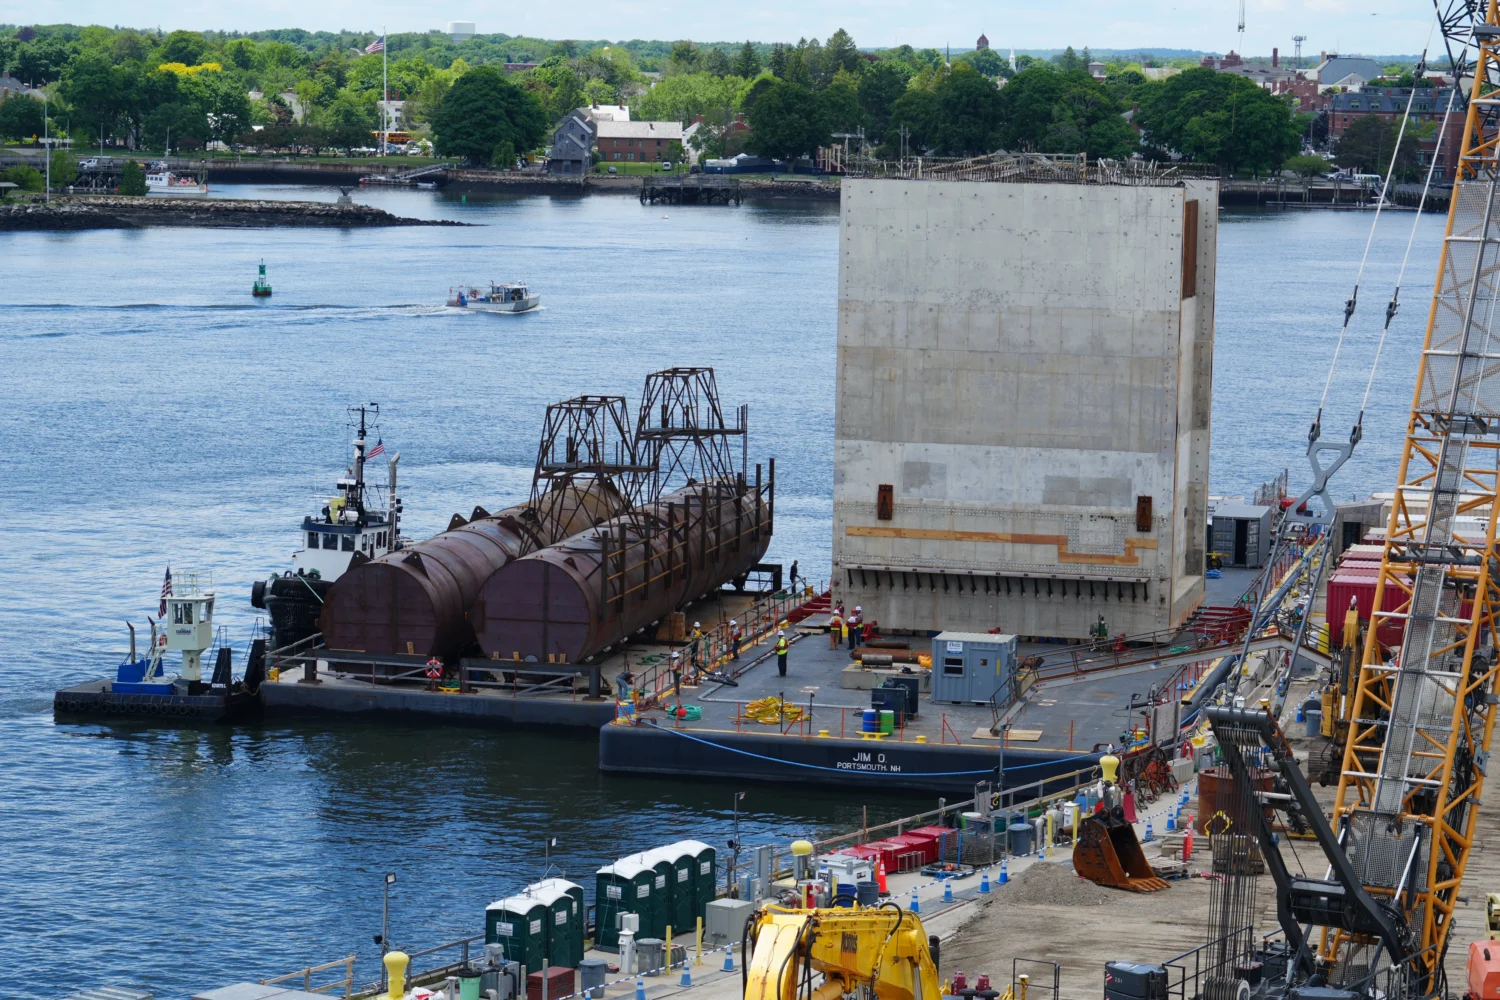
319,90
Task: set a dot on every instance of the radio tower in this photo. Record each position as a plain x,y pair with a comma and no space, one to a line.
1297,53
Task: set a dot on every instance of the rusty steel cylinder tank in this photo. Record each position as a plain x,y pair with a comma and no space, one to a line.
574,599
413,601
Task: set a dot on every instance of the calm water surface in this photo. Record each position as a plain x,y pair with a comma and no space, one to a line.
153,413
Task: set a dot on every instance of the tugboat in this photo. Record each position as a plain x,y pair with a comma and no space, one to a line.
516,298
359,523
141,686
262,288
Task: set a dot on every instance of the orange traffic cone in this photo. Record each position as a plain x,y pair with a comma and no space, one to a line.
880,875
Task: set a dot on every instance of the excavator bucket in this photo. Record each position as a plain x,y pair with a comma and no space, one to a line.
1109,854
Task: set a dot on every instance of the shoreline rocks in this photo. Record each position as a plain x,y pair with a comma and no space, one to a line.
121,212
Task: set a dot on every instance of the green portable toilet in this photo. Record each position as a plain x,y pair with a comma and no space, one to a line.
627,886
564,902
705,878
660,860
680,890
520,924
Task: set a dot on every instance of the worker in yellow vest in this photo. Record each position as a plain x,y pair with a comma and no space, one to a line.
835,629
781,645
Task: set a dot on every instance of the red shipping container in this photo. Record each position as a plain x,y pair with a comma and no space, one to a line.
920,843
887,851
945,839
559,983
1358,584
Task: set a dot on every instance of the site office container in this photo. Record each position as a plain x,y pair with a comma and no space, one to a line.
520,924
565,925
627,886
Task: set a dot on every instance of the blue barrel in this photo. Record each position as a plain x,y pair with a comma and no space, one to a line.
847,894
1020,838
870,722
868,894
1315,722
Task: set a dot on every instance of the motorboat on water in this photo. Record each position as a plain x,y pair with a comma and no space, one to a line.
516,298
163,181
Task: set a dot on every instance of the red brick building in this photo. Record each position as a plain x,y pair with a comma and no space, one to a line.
1389,103
637,142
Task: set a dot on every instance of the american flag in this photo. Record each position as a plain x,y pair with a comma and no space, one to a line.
379,449
378,45
166,592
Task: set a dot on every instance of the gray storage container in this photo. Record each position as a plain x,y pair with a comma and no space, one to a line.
968,668
1242,534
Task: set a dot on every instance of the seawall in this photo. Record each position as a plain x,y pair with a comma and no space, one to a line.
120,212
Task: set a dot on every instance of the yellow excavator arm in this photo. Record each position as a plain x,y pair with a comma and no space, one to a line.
883,949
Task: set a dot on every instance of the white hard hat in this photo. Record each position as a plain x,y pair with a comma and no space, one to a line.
675,655
858,608
733,622
779,632
697,624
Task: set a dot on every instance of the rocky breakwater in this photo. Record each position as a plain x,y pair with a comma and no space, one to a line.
141,213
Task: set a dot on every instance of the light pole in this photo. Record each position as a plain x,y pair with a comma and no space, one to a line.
734,845
46,148
385,924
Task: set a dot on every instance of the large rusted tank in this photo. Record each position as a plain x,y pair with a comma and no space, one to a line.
574,599
413,602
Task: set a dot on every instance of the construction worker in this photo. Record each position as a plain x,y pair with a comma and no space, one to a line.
736,636
835,628
695,648
844,631
781,645
854,622
676,675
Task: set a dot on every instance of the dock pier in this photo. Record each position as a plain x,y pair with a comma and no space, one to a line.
694,189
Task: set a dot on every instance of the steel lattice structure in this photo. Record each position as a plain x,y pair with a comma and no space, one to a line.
1423,715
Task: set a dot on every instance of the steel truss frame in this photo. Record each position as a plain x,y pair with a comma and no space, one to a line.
1423,716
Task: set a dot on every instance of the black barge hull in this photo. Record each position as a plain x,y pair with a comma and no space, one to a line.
94,700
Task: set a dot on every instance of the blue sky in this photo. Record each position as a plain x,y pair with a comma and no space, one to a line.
1366,26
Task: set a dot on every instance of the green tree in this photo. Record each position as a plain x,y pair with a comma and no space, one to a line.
916,112
172,123
841,53
880,88
41,61
132,179
20,117
682,98
714,62
596,91
788,121
1366,146
1057,112
186,47
683,58
27,178
221,98
1306,166
1069,61
841,109
746,63
968,113
64,168
1218,118
93,87
987,61
483,109
778,61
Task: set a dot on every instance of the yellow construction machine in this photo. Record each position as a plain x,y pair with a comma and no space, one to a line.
879,953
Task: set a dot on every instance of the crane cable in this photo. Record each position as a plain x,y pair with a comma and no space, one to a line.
1395,303
1316,431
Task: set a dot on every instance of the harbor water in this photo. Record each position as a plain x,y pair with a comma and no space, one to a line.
155,414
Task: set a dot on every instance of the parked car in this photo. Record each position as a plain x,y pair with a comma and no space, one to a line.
666,165
613,170
92,163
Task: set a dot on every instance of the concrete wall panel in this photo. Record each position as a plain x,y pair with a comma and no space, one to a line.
1018,361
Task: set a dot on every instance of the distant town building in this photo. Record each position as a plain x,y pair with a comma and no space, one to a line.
983,42
606,112
1267,75
394,113
1389,103
636,142
1227,61
1335,70
1159,72
459,30
10,85
519,67
572,145
1096,70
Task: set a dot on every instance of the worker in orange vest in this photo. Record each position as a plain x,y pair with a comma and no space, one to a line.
835,629
853,630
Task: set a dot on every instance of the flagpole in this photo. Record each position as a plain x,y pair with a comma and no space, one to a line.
385,94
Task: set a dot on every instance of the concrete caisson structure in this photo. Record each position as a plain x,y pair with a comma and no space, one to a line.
1024,387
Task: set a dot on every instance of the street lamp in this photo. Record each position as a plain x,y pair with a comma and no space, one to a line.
384,937
46,148
734,845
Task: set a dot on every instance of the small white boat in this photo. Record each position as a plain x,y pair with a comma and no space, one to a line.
166,182
427,185
516,298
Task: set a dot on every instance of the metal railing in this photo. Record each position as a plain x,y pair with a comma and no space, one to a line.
1024,167
419,977
306,976
1016,963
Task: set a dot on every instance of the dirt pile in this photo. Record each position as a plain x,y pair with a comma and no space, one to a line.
1056,884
